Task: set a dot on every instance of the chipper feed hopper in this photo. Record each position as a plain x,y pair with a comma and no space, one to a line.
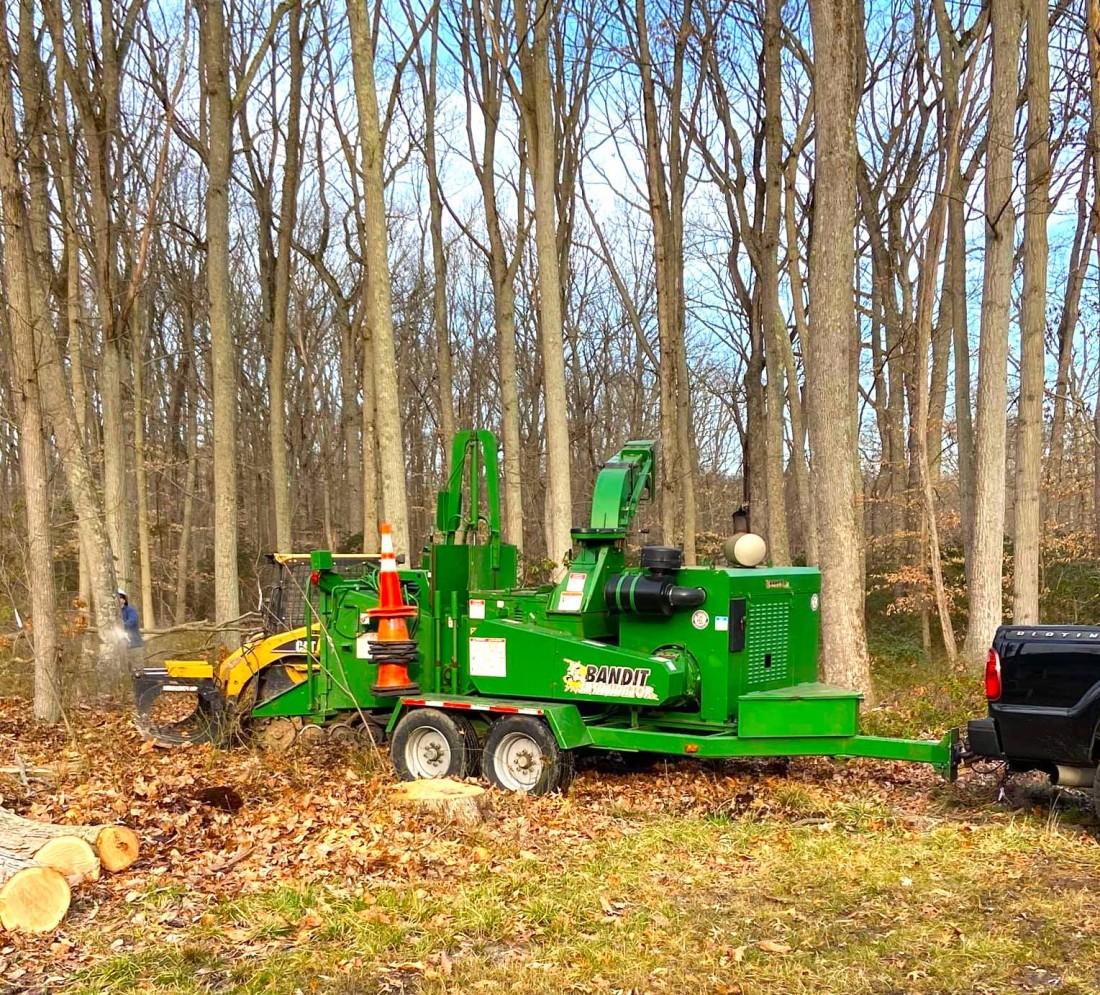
510,682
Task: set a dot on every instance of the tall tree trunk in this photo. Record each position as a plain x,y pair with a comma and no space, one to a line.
428,75
190,479
137,322
479,36
1093,27
504,316
955,290
1080,258
953,304
920,428
369,440
771,317
665,186
798,414
73,310
350,422
54,392
1033,319
986,608
754,472
377,305
838,51
223,350
92,75
288,212
32,437
538,122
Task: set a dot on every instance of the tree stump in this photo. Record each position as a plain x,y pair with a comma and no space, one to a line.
446,800
33,898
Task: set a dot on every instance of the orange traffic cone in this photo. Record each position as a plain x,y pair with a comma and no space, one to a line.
393,650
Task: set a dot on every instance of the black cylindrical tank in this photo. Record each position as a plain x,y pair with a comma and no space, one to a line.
646,595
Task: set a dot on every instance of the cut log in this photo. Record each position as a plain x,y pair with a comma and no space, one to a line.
33,898
117,846
71,855
447,800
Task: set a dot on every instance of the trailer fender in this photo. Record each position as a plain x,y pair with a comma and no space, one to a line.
568,726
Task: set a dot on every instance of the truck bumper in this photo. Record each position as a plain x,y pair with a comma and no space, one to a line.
981,737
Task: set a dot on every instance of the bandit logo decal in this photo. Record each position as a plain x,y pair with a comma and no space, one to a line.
608,682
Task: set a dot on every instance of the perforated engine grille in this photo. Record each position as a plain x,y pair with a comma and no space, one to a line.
767,628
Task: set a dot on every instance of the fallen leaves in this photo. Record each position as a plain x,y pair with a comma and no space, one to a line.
320,825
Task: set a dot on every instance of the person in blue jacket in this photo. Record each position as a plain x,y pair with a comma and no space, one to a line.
131,625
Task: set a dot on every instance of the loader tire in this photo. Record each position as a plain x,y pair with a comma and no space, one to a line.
521,754
429,742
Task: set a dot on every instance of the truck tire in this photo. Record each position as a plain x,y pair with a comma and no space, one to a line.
429,743
521,754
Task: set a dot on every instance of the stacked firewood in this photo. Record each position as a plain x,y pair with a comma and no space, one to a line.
40,864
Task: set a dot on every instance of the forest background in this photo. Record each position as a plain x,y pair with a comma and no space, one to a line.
259,262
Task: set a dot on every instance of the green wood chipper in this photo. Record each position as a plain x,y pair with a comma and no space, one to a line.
488,677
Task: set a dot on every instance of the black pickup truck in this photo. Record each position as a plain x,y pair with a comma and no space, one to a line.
1043,686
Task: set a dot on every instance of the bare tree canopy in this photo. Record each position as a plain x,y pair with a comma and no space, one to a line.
261,260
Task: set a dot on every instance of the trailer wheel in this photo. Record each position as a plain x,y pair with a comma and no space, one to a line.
521,754
431,743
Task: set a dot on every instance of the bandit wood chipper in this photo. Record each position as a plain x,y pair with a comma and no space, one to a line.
463,672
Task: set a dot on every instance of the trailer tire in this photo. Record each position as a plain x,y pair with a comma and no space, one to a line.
428,743
521,754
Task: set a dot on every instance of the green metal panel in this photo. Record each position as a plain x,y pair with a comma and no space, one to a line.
812,709
567,725
527,661
769,627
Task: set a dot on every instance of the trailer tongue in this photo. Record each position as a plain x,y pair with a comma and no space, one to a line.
656,658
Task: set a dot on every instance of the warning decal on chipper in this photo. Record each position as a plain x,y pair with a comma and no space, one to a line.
608,682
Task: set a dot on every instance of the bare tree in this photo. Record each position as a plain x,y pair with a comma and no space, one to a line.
666,155
20,321
838,53
377,302
534,98
483,88
288,199
1029,426
986,609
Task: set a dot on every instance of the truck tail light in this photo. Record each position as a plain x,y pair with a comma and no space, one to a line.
993,675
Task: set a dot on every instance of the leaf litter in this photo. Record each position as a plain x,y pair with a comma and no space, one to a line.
219,826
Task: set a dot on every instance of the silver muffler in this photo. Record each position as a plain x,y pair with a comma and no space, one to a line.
1074,777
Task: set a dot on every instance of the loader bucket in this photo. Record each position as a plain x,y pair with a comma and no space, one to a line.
172,711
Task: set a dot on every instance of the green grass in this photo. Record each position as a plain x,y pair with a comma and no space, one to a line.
679,905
